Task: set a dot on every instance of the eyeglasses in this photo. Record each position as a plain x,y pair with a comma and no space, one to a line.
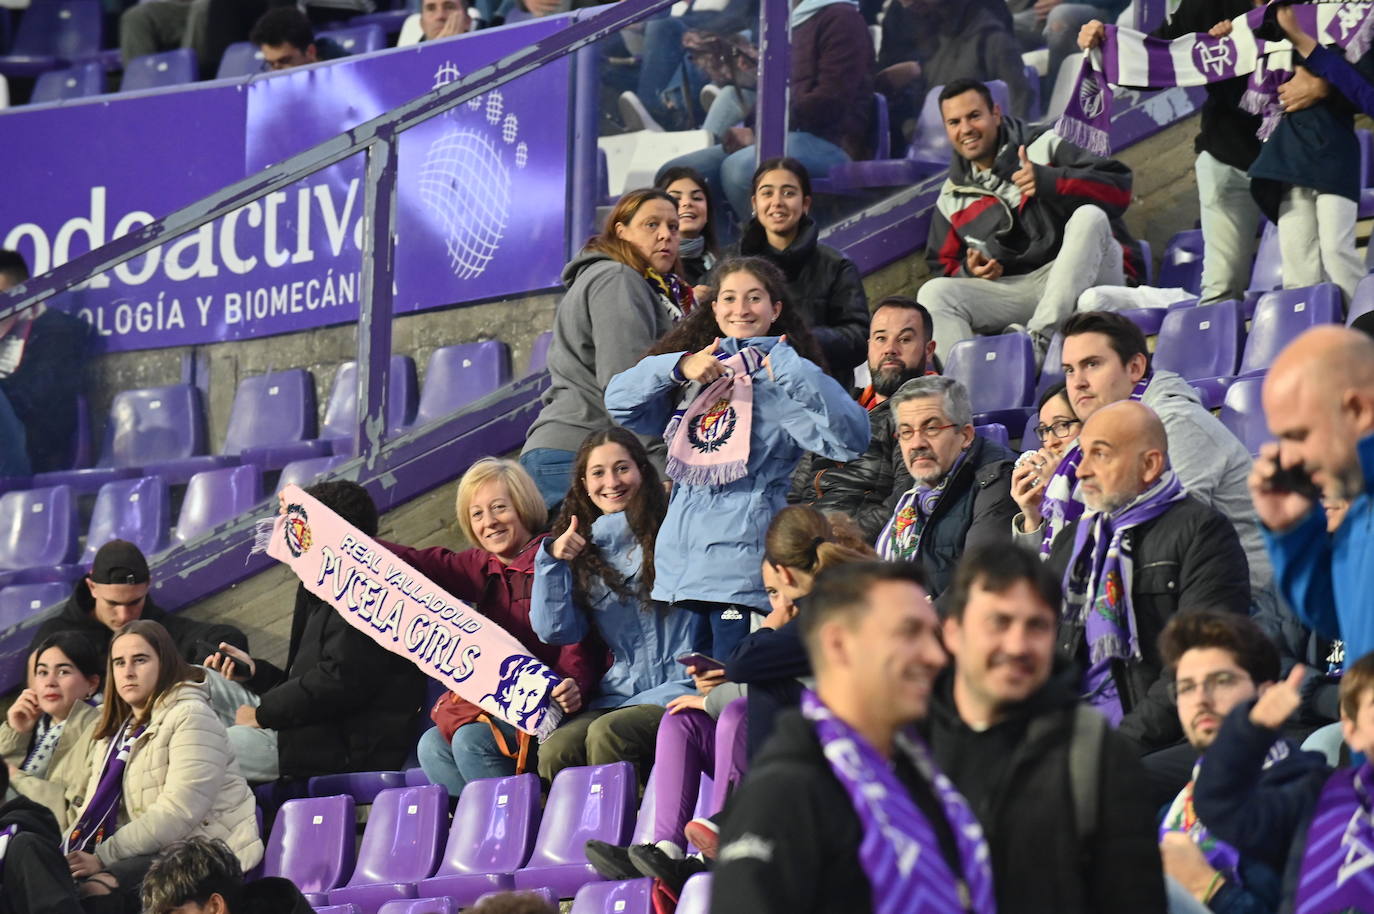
1213,684
1060,429
930,431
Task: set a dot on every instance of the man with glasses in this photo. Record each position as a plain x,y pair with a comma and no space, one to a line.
1223,662
961,495
1144,551
900,348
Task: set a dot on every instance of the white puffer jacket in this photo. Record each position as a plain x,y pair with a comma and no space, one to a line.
182,781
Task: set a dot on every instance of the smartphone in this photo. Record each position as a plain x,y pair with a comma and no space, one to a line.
1295,480
702,663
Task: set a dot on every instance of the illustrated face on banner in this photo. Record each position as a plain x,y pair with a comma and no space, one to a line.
524,683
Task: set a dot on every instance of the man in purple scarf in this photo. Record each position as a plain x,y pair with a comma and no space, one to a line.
1144,551
843,809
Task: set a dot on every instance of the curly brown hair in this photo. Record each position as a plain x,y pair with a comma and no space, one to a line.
645,515
699,328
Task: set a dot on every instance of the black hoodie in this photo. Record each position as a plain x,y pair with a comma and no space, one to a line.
1015,776
36,878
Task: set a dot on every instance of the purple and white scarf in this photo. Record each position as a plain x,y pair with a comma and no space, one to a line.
45,739
708,434
901,538
1097,588
1131,58
1337,872
899,852
97,819
6,833
1061,504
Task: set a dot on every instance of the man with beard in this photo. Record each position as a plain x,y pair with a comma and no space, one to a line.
1006,723
899,348
961,491
1144,551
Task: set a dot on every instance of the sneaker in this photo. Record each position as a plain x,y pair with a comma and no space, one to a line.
635,115
611,861
705,834
1041,344
650,860
709,93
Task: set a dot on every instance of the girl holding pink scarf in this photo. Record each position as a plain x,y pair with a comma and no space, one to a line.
739,392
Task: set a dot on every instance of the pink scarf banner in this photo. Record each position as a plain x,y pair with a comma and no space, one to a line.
408,614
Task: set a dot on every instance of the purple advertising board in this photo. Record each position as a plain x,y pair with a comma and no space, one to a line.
481,193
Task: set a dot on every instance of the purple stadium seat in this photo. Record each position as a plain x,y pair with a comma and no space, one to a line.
312,843
390,21
242,58
1363,301
1148,320
1282,315
130,509
306,472
1201,343
214,497
341,412
696,895
334,908
53,34
999,372
993,431
160,71
360,40
1182,265
634,896
1268,271
539,352
458,375
362,786
644,820
400,847
20,601
38,534
419,906
81,80
545,895
493,830
1030,441
840,179
1243,413
269,411
416,777
584,803
1052,369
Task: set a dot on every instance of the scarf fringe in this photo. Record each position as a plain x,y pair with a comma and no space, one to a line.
1255,101
262,534
1111,647
717,474
553,716
1093,139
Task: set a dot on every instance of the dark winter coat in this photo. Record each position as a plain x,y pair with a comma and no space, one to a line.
831,89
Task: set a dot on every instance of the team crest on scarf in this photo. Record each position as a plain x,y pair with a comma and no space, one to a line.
297,534
1111,597
713,428
905,518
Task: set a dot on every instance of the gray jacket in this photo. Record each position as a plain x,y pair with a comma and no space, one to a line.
605,323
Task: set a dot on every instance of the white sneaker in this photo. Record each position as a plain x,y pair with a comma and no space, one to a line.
635,116
709,93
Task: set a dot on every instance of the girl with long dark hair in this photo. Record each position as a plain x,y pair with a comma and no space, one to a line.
696,222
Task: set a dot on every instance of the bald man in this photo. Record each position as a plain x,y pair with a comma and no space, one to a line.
1144,551
1319,403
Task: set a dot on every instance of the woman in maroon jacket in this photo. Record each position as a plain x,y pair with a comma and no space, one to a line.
499,508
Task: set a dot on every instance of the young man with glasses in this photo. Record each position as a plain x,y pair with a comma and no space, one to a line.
961,495
1223,662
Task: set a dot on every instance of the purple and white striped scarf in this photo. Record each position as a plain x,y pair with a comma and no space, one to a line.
1097,588
900,540
1338,862
97,819
899,851
1134,59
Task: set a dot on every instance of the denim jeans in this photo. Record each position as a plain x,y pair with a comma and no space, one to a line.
551,470
471,755
664,62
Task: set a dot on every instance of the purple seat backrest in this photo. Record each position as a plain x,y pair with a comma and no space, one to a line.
458,375
1243,413
136,510
419,906
242,58
634,896
585,803
362,786
37,528
1052,369
69,29
1201,342
696,895
539,352
81,80
1268,271
930,143
493,826
882,127
270,409
359,40
215,496
160,71
416,777
1282,315
312,843
402,840
1182,265
644,820
338,909
304,472
1363,302
998,371
341,413
1030,441
152,424
993,431
21,601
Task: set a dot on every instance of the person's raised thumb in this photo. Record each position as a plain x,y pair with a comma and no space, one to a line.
1025,159
715,345
572,525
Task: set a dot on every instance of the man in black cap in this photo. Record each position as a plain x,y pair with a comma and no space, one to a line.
115,593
